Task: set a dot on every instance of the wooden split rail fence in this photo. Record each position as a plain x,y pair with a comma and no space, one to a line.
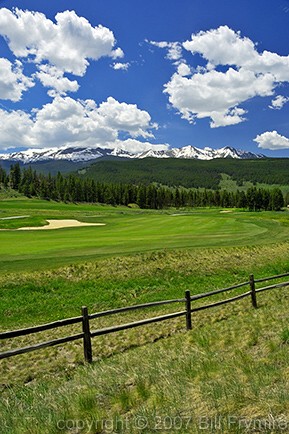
85,317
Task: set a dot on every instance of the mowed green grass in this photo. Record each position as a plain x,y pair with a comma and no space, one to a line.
126,231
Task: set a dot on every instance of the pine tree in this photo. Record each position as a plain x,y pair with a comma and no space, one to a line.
142,196
277,200
15,176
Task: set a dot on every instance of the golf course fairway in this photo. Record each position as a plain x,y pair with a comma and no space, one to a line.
123,231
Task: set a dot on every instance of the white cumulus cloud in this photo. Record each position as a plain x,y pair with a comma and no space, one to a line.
135,146
235,72
272,140
66,121
67,44
12,80
53,78
15,129
126,117
174,50
222,46
184,69
278,102
216,94
64,46
120,66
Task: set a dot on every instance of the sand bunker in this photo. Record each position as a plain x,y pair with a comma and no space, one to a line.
59,224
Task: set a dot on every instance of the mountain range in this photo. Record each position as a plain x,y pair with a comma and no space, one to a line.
79,154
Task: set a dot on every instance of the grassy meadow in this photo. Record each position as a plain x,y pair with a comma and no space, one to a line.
229,374
229,184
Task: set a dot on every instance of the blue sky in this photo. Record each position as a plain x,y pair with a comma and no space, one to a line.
145,74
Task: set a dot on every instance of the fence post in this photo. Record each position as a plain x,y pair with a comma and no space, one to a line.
86,335
253,292
188,310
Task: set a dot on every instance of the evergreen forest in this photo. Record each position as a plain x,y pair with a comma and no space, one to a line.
73,188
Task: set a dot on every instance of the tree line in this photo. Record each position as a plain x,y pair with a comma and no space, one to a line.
73,188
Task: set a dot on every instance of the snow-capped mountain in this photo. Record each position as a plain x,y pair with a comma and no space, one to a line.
209,153
81,154
76,154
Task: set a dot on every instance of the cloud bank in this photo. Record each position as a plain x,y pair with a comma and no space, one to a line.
66,121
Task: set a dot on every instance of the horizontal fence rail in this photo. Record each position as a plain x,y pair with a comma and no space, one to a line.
41,345
279,276
278,285
219,303
41,328
135,307
218,291
131,325
85,318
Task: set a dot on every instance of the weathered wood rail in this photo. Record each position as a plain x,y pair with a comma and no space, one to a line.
86,335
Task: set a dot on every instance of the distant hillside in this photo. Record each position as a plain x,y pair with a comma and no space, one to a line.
45,167
189,173
171,172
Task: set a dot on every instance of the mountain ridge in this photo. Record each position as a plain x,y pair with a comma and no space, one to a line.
79,154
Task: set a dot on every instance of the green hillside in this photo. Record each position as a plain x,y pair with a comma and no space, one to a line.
190,173
173,172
